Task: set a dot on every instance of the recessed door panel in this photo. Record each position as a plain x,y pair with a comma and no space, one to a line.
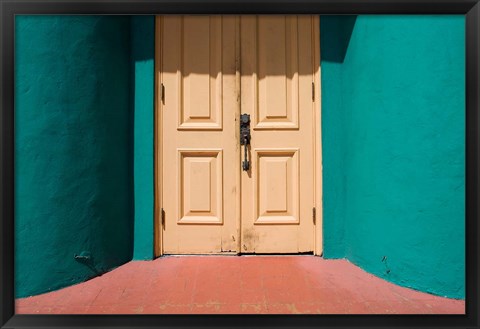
200,76
277,186
200,186
276,78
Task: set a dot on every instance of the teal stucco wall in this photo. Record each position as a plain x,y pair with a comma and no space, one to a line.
73,182
335,34
393,111
142,66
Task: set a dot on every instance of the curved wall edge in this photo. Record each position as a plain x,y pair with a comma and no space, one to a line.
73,182
394,147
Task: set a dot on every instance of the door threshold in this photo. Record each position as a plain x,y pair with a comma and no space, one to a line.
310,253
229,253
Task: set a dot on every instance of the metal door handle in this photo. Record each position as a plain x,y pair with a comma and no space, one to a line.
245,163
245,138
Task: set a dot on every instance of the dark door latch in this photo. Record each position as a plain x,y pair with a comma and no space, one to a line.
245,138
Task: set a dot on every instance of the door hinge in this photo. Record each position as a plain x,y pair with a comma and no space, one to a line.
314,215
313,91
162,93
162,216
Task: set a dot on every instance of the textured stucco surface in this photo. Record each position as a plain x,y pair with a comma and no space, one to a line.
142,61
72,149
334,37
393,142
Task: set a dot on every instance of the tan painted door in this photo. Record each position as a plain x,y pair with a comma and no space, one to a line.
199,162
277,194
213,68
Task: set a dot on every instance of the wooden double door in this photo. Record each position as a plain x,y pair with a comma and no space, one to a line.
210,71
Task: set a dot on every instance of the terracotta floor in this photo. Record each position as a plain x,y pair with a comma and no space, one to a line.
230,284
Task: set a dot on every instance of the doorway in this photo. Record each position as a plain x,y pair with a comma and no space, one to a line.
237,135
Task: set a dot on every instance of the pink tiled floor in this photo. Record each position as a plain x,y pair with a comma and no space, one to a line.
229,284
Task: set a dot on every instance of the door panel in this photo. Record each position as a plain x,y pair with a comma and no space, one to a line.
276,179
276,104
200,186
199,164
278,191
200,79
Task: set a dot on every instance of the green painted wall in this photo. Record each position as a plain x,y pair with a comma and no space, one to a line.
142,66
394,182
335,35
73,186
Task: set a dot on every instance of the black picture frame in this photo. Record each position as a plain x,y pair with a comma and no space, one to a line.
10,8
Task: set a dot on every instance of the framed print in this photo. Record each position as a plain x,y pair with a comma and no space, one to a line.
231,163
